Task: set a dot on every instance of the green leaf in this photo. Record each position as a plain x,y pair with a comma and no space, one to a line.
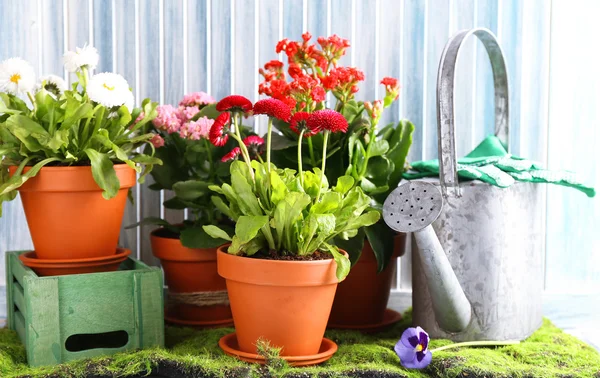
29,132
191,190
365,219
198,237
216,232
104,173
399,152
343,264
280,142
328,203
220,205
379,147
278,188
154,221
247,199
247,227
286,214
19,179
209,111
344,184
353,246
381,238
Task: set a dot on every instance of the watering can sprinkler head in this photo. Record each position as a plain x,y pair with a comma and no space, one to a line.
413,207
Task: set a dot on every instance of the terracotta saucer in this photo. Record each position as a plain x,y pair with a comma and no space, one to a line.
230,346
45,267
389,318
220,323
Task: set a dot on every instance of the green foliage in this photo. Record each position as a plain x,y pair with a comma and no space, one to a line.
189,168
277,211
548,353
373,160
71,130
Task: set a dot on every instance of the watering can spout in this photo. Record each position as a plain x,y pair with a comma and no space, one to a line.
412,207
450,304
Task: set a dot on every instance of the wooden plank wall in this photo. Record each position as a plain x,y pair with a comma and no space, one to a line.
166,48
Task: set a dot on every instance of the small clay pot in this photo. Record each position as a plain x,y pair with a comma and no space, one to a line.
67,216
361,300
285,302
190,270
75,266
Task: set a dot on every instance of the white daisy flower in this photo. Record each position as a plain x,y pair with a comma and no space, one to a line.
110,90
53,84
85,56
16,76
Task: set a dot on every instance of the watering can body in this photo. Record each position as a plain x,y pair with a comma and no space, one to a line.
490,237
493,240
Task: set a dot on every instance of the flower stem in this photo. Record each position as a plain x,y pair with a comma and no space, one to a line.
84,77
238,138
269,129
325,137
311,152
300,158
32,102
476,343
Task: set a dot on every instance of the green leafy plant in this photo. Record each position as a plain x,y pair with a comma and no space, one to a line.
191,164
282,212
374,158
93,123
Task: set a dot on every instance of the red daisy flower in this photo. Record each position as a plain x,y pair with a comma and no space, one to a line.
298,124
234,103
273,108
218,132
253,141
231,155
327,119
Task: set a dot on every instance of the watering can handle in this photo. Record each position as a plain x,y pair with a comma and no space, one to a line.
445,102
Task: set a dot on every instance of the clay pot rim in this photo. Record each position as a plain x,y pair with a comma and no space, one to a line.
276,272
176,251
28,260
84,182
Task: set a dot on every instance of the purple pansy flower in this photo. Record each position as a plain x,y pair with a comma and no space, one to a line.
412,348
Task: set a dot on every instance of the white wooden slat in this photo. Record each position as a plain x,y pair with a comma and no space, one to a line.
343,24
269,33
173,78
23,43
124,61
103,34
78,27
52,36
438,14
293,20
317,17
220,74
487,17
572,237
149,83
197,53
365,57
390,53
462,16
245,62
413,75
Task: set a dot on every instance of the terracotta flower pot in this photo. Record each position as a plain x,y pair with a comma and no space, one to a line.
284,302
361,300
67,216
190,270
77,266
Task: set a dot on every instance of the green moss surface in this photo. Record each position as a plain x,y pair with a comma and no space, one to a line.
549,352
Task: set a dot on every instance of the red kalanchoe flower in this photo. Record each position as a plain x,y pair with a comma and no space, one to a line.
392,88
306,36
318,94
327,119
218,132
234,103
231,155
295,70
273,108
274,65
298,124
253,141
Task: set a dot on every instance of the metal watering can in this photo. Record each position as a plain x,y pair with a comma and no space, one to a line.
478,251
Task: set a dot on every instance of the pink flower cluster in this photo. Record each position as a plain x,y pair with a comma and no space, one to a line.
178,120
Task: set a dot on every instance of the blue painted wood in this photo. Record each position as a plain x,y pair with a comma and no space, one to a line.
487,17
438,14
365,56
25,44
293,18
197,48
220,72
52,35
342,25
149,66
389,54
317,17
462,16
126,64
103,34
245,60
573,240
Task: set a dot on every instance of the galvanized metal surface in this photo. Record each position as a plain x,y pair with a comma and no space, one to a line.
492,237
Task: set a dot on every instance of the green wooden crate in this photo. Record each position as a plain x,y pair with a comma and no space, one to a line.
64,318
